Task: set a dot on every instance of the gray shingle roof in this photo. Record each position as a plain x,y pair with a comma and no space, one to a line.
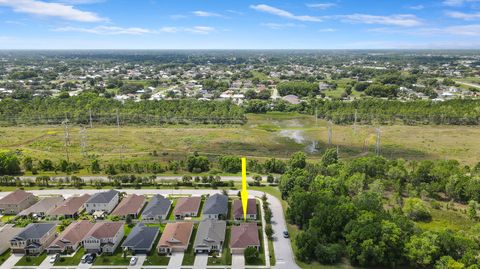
158,206
141,237
34,230
216,204
210,232
102,197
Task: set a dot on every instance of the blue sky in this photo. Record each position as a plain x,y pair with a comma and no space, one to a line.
239,24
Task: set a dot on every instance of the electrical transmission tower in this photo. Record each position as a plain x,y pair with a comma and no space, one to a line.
83,140
330,133
66,138
355,123
118,135
378,142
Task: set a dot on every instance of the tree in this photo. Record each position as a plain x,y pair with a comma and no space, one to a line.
270,179
28,163
329,157
416,209
230,164
447,262
9,164
198,164
422,250
95,166
472,210
269,231
251,255
298,160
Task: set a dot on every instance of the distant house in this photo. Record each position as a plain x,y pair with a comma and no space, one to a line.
7,232
216,207
210,236
43,207
175,237
70,208
130,206
243,236
251,210
141,239
102,201
71,238
14,202
33,239
157,209
187,207
104,237
291,99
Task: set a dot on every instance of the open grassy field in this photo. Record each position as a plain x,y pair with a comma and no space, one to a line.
270,135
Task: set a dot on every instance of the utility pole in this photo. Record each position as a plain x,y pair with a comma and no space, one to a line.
83,140
90,113
330,124
316,116
355,123
66,138
118,135
377,144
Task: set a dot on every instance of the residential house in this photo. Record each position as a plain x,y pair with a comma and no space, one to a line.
291,99
187,207
157,209
14,202
175,237
70,208
130,206
216,207
43,207
7,232
71,239
243,236
210,236
102,201
141,239
33,239
104,237
251,210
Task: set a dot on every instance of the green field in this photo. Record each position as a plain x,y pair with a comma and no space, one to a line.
264,136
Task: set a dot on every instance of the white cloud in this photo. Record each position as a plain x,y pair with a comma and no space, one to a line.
470,30
463,16
48,9
284,13
195,29
327,30
201,13
81,2
278,26
457,3
417,7
406,20
107,30
321,5
462,30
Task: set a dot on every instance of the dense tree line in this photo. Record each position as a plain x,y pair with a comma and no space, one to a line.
344,209
299,88
77,110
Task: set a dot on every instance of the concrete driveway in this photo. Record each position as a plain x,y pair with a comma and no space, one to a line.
201,261
175,260
46,263
238,261
140,261
11,261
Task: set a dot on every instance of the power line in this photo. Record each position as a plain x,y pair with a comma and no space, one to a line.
66,138
378,141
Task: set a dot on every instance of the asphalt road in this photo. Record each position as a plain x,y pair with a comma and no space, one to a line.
282,246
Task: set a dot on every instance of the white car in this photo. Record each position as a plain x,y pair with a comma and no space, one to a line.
54,258
133,260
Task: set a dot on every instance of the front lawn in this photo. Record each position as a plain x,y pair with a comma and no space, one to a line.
153,258
31,260
5,255
71,261
115,259
189,256
226,258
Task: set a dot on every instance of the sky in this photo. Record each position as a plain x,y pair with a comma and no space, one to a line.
239,24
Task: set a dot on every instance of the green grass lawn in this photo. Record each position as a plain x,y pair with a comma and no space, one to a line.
31,260
153,258
189,256
170,215
226,258
447,219
71,261
5,255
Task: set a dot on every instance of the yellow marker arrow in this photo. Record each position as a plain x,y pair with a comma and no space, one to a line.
244,193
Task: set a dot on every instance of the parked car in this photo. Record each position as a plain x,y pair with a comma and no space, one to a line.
54,258
91,258
133,260
84,258
285,234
